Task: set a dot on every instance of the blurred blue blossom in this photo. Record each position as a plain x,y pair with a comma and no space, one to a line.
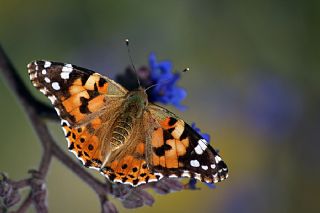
266,103
166,91
192,182
204,135
273,106
160,74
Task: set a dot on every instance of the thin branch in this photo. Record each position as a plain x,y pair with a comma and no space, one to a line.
36,111
21,91
99,187
25,205
21,183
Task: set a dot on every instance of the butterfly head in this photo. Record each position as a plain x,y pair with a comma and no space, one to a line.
137,99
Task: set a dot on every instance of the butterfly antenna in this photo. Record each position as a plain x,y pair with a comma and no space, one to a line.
149,87
167,81
186,69
131,61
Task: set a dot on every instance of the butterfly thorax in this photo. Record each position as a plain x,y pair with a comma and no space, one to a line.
132,110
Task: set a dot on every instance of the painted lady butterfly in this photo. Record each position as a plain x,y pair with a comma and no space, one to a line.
119,133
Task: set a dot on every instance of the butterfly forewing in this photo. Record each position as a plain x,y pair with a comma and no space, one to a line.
75,92
85,102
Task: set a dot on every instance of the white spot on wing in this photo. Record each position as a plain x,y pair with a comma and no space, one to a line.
69,143
76,154
55,86
202,146
197,176
44,72
204,167
52,99
44,90
65,75
64,121
57,110
198,150
95,168
128,183
46,79
152,180
47,64
161,175
66,70
217,158
142,182
213,166
194,163
185,174
203,143
33,75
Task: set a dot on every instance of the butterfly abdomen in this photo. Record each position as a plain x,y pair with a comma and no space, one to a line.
133,108
121,131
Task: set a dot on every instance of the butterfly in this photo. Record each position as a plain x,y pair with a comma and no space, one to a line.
119,133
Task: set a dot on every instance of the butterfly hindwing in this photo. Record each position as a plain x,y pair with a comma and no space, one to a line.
179,151
128,164
86,141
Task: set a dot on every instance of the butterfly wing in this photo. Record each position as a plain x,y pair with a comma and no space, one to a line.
86,102
179,151
75,92
128,164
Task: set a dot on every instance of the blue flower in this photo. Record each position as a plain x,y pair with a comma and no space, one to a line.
273,107
166,91
192,183
204,135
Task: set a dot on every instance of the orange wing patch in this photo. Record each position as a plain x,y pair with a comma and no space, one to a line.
84,144
167,144
85,97
131,169
185,152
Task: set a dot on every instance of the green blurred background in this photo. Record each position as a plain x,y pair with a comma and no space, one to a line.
253,86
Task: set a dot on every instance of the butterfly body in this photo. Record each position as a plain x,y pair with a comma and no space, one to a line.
119,133
132,110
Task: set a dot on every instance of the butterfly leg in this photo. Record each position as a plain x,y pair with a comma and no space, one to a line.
105,160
